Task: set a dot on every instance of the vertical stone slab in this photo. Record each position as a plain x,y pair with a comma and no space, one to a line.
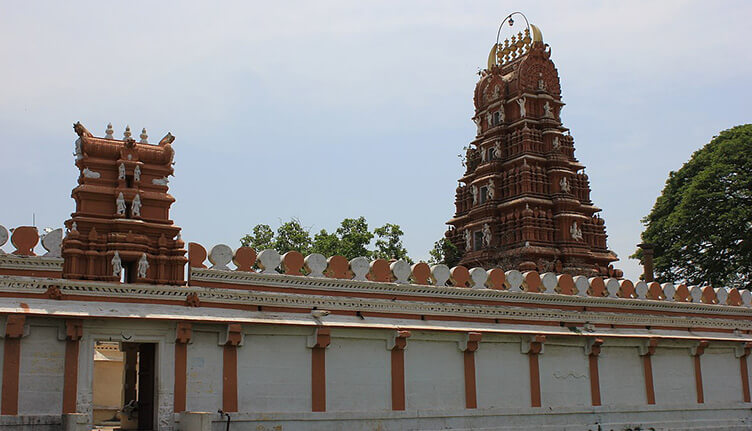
14,330
73,334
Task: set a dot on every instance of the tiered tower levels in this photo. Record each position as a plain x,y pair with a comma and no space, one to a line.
121,223
524,199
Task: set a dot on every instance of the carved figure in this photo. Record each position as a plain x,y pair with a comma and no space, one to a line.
137,173
521,102
143,266
501,113
79,152
120,202
136,208
121,171
564,185
468,240
160,181
81,130
497,150
547,110
88,173
117,265
556,143
474,191
477,124
495,92
575,231
482,156
486,235
109,131
491,187
541,84
489,120
168,139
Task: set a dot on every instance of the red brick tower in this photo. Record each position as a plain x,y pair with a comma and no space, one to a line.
121,224
524,200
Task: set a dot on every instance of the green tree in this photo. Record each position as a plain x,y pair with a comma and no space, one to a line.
701,225
445,252
389,243
325,243
292,236
354,238
261,238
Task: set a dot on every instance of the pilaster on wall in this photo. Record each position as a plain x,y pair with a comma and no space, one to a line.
742,352
696,351
233,339
73,333
647,350
397,344
468,346
593,350
14,330
533,346
318,343
183,334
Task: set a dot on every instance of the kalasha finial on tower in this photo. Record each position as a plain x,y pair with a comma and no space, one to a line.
515,46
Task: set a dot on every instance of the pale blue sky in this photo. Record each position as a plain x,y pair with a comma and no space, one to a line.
331,109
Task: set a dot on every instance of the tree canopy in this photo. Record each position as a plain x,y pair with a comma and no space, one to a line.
701,224
351,239
444,251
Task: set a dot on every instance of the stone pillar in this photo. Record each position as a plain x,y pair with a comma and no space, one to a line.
14,330
696,351
73,334
397,345
318,343
533,346
647,350
593,350
230,368
647,261
183,335
468,346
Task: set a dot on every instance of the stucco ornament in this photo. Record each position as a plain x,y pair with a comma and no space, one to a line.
136,207
489,120
486,235
468,240
220,255
547,113
78,152
117,265
523,111
564,185
137,173
491,187
483,156
120,202
477,121
160,181
143,266
556,142
121,171
497,149
52,241
501,113
575,231
3,236
496,92
108,133
474,191
88,173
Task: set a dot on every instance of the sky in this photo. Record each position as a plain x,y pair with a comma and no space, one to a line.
332,109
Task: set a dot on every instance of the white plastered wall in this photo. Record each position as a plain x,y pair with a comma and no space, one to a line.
721,376
622,380
674,375
502,373
434,373
274,371
42,372
565,376
204,372
358,372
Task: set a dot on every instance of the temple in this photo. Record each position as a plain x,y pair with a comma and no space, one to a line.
104,330
524,200
122,220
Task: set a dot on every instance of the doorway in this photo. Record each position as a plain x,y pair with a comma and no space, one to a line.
124,386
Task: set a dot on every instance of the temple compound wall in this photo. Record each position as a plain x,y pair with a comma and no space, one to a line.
291,342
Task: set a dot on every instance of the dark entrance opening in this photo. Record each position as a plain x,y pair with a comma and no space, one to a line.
138,386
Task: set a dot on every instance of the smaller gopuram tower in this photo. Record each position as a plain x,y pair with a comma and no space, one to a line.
121,226
524,200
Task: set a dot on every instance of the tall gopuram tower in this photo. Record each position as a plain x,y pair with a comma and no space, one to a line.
524,199
121,226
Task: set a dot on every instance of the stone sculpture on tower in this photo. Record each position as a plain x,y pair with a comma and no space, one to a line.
524,199
121,223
